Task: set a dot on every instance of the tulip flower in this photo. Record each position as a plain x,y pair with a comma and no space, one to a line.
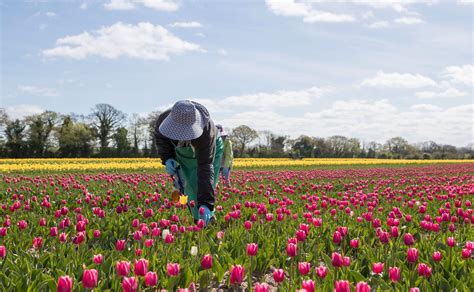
90,278
3,231
336,260
248,225
236,274
151,279
129,284
169,239
424,270
451,242
64,284
304,268
412,255
342,286
377,268
98,259
262,287
322,271
394,274
206,262
194,251
301,235
437,256
354,243
37,242
63,237
141,267
346,261
123,268
278,275
415,289
252,249
337,237
173,269
120,245
308,285
291,250
3,251
220,235
362,287
53,231
466,253
408,239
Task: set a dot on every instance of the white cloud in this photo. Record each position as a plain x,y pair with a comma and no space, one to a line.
50,14
23,110
191,24
461,74
222,52
368,120
83,6
398,80
450,92
142,41
409,20
37,91
161,5
380,24
119,5
465,2
305,10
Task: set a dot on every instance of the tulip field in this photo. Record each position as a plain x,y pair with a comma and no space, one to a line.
407,227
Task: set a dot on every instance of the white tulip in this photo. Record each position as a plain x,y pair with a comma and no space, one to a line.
165,232
194,250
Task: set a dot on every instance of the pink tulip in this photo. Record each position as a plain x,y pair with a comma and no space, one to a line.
37,242
337,237
466,253
141,267
278,275
96,233
451,242
337,260
123,268
98,259
308,285
62,237
362,287
394,274
252,249
322,271
3,251
377,268
53,231
412,255
236,274
424,270
90,278
291,250
304,268
151,279
408,239
120,245
206,262
22,224
129,284
248,225
354,243
64,284
173,269
342,286
262,287
437,256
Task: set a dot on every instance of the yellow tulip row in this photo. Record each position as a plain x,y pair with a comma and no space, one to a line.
137,164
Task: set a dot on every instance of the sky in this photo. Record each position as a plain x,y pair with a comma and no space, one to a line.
366,69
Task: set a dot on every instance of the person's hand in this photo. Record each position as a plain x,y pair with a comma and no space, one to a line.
170,166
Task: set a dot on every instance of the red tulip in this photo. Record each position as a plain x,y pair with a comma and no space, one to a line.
90,278
123,268
37,242
394,274
64,284
362,287
412,255
22,224
169,239
322,271
342,286
248,225
337,237
3,251
98,259
173,269
151,279
451,242
53,231
301,235
252,249
424,270
236,274
291,250
149,242
437,256
129,284
141,267
466,253
96,233
354,243
262,287
304,268
377,268
3,231
120,245
308,285
346,261
206,262
337,260
278,275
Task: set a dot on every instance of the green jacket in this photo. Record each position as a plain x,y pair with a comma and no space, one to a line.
228,156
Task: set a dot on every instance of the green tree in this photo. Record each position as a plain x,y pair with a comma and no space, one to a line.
15,134
122,144
106,119
39,131
75,139
242,136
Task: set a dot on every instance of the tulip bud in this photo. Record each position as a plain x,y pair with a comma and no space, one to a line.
173,269
437,256
304,268
377,268
278,275
129,284
64,284
123,268
342,286
308,285
194,251
236,274
206,262
252,249
322,271
394,274
291,250
362,287
151,279
90,278
141,267
98,259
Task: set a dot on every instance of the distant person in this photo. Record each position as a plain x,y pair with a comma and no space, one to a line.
189,145
227,157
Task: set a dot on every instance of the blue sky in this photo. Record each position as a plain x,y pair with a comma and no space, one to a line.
365,69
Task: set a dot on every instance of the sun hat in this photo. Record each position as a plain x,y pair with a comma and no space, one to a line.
222,132
183,123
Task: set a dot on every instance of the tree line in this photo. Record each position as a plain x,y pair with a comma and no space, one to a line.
108,132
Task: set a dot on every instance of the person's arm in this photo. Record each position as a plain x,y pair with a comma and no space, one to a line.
205,147
163,144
